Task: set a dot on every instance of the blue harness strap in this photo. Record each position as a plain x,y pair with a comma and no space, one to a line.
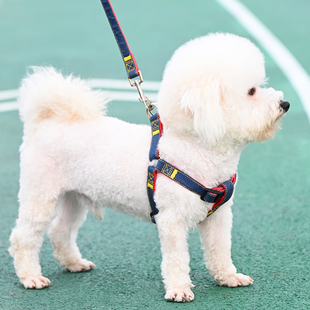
157,130
129,60
151,182
217,196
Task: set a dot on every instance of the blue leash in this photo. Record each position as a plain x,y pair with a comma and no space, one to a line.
131,66
218,195
129,61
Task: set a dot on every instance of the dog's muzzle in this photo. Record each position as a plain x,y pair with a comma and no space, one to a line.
285,105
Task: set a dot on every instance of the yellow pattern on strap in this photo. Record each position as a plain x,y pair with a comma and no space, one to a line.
174,173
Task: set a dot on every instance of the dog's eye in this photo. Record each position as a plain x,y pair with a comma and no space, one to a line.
252,91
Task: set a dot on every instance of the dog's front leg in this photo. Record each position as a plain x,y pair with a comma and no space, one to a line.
175,258
215,234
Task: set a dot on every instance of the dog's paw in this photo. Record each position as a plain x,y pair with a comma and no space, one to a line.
37,282
179,295
81,265
237,279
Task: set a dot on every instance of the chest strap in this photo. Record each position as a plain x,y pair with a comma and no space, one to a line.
218,195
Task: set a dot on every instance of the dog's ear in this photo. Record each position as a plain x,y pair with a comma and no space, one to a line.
204,100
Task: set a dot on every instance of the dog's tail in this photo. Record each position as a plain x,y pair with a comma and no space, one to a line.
46,93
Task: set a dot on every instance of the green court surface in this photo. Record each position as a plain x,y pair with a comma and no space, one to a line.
271,232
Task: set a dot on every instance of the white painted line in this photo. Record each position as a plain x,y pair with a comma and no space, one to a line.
8,94
8,106
130,95
122,84
292,69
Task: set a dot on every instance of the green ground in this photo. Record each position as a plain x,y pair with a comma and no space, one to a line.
271,218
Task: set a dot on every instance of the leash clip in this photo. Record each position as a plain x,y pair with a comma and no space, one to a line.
148,103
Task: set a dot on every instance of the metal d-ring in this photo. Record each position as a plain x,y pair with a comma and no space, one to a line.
150,108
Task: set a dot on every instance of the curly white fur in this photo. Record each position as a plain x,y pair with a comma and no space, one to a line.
74,158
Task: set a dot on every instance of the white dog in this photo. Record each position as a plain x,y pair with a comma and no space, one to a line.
75,159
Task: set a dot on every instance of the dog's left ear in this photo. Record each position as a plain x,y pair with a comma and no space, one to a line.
204,100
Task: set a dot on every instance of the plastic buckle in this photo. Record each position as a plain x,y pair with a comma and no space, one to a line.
152,214
217,194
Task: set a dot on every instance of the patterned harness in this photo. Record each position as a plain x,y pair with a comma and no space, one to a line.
218,195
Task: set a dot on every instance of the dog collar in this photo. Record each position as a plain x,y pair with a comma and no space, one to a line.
217,195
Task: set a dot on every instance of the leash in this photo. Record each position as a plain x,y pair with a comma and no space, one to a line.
218,195
134,75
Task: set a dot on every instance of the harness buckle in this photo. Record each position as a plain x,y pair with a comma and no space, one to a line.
148,103
152,215
214,196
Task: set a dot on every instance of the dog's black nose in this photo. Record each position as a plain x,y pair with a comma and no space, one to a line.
285,105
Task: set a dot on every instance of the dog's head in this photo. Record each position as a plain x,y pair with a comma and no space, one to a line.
213,89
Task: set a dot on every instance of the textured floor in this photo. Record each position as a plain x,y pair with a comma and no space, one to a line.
271,211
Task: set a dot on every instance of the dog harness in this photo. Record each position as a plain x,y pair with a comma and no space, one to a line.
218,195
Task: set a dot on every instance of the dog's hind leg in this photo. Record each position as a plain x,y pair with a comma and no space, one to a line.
35,215
71,214
215,234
